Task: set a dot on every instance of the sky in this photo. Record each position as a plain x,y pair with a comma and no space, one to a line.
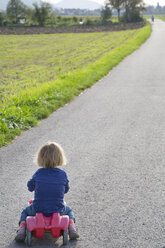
148,2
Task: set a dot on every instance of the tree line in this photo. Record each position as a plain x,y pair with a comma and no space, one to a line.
16,10
152,10
131,10
41,14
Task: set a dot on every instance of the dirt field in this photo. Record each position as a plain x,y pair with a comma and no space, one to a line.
82,29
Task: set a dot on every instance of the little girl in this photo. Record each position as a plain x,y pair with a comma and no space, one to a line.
49,184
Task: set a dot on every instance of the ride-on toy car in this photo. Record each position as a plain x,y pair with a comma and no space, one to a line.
56,224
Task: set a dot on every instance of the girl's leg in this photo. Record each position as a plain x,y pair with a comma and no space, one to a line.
72,229
68,211
21,234
28,211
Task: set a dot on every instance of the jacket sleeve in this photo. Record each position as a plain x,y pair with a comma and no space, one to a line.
31,183
67,185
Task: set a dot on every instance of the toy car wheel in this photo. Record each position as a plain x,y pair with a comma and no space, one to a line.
28,237
65,237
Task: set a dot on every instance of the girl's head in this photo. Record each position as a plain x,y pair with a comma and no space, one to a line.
51,155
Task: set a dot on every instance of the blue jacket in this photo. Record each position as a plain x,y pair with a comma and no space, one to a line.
49,186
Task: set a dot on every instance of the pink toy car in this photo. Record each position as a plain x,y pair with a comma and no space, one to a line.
56,224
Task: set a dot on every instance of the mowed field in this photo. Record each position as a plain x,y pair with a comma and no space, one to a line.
29,61
40,73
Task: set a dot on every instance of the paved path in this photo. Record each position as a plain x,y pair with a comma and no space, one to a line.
114,138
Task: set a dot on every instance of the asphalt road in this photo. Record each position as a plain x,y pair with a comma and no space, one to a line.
114,137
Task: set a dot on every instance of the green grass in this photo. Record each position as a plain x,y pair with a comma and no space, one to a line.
40,73
161,17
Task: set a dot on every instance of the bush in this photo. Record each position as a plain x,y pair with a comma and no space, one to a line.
88,22
132,16
65,19
75,19
59,18
2,18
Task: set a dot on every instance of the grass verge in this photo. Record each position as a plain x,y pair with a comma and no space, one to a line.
22,111
161,18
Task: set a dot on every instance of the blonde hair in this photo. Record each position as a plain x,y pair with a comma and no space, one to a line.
50,155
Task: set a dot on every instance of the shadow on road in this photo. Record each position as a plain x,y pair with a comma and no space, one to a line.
44,243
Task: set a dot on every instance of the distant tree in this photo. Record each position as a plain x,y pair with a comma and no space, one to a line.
163,9
133,8
29,13
150,10
75,19
15,9
52,18
118,5
88,22
158,7
106,13
2,18
42,12
59,18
